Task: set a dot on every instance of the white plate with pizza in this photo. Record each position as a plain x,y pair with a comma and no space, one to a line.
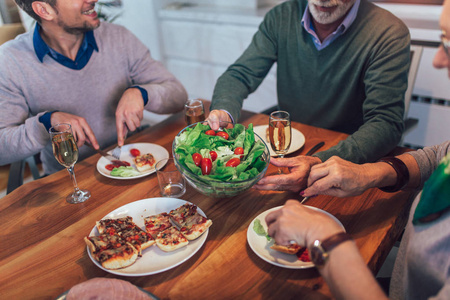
153,259
297,141
261,246
158,152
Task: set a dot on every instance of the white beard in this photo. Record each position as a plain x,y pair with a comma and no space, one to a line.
327,17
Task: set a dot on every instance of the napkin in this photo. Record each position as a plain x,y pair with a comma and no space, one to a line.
435,196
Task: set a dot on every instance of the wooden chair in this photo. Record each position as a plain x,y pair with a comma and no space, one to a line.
10,31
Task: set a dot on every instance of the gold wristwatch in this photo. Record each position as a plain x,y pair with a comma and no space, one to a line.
319,250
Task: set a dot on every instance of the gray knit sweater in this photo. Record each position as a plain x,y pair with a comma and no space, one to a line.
422,267
355,85
29,88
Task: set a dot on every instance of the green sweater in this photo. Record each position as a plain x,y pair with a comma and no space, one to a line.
355,85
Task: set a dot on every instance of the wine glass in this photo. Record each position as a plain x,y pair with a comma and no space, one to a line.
65,150
280,132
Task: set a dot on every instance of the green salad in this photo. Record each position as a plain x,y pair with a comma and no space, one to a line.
245,165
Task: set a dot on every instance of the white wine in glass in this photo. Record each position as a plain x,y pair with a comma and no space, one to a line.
65,150
280,132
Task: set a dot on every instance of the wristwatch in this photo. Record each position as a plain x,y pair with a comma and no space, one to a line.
319,250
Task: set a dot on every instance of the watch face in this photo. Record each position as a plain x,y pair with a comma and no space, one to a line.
316,255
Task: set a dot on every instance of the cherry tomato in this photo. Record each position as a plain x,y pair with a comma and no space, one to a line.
110,167
197,157
135,152
206,166
223,134
239,150
210,132
213,155
234,162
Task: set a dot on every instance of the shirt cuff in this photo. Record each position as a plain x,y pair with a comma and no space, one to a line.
143,92
231,117
45,119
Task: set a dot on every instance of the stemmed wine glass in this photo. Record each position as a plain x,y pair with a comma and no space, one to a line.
65,150
280,132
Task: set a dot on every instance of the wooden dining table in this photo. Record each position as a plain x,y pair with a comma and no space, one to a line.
43,254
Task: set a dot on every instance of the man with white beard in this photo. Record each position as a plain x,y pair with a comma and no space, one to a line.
341,65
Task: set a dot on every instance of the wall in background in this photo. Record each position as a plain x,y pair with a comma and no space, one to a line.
198,40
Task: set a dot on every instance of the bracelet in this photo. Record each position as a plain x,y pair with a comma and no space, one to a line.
402,174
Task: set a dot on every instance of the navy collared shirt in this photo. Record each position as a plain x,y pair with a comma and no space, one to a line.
84,54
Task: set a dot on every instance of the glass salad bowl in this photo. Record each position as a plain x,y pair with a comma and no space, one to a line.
223,181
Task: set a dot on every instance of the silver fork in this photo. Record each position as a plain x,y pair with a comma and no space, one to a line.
116,152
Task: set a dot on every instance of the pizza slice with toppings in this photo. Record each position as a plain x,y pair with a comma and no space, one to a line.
112,251
139,238
113,226
117,258
194,226
170,239
156,223
103,242
289,249
144,162
178,215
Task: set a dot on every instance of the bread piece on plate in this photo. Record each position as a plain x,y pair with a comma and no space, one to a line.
157,223
103,242
170,239
194,226
112,226
140,239
144,162
117,258
178,216
291,249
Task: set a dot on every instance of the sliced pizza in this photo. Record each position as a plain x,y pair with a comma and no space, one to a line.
117,258
178,215
140,239
112,226
170,239
290,249
156,223
194,226
103,242
144,162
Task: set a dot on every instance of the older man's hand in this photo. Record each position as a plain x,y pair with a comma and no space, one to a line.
217,118
296,180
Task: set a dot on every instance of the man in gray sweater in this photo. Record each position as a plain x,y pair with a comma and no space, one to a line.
75,69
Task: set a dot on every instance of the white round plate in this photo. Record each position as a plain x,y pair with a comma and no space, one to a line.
153,259
297,140
261,246
157,151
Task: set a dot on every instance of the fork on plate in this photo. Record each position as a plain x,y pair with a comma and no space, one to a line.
116,152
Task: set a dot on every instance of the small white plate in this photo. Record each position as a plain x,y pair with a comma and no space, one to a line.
297,140
261,246
153,259
157,151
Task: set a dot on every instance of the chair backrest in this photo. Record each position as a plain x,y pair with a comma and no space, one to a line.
416,54
10,31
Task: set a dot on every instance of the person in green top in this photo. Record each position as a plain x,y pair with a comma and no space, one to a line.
341,65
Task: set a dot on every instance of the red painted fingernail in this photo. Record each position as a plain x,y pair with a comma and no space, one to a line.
302,193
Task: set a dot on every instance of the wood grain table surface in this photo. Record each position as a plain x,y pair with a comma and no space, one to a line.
42,252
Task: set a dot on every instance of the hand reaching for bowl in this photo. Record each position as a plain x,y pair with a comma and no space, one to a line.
218,118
